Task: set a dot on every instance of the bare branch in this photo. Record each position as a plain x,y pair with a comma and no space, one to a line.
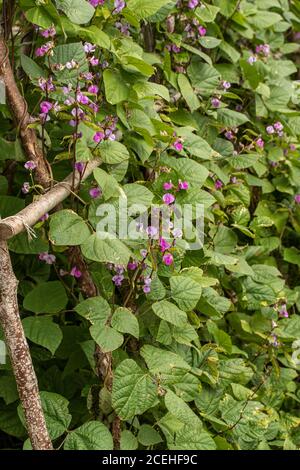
19,354
29,216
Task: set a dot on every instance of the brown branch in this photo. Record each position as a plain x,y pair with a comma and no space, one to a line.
20,356
29,216
19,110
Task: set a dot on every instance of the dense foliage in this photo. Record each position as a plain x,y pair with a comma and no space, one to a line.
188,101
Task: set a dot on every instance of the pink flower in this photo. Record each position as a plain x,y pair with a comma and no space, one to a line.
75,272
260,143
297,199
215,102
164,245
168,259
44,217
81,98
278,126
263,49
168,198
45,107
48,33
202,31
252,59
183,185
192,4
283,311
25,188
79,166
94,61
167,186
30,165
226,85
270,130
49,259
218,184
98,137
178,145
131,266
93,89
95,3
95,193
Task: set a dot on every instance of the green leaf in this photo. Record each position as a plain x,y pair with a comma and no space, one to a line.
46,297
116,89
147,436
106,251
185,291
31,68
161,361
142,9
187,169
107,338
67,228
8,389
90,436
128,441
125,321
188,438
96,310
209,42
230,118
133,390
42,331
169,312
77,11
205,78
149,89
113,152
107,183
188,92
181,410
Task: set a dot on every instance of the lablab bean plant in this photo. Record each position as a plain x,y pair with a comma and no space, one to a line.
186,102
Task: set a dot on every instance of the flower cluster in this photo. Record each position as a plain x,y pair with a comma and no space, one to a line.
47,258
276,128
263,49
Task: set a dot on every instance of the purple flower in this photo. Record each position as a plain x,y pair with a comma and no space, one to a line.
95,193
151,231
263,49
183,185
297,199
192,4
202,31
123,28
144,253
175,48
43,50
168,259
168,198
72,64
119,268
93,89
270,130
75,272
178,145
233,180
95,3
252,59
292,147
177,233
45,107
229,135
46,85
278,126
81,98
260,143
48,33
215,102
118,279
94,61
283,311
98,137
89,48
25,188
79,166
132,265
88,76
164,245
44,217
30,165
274,341
226,85
167,186
119,5
94,107
146,289
49,259
218,184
